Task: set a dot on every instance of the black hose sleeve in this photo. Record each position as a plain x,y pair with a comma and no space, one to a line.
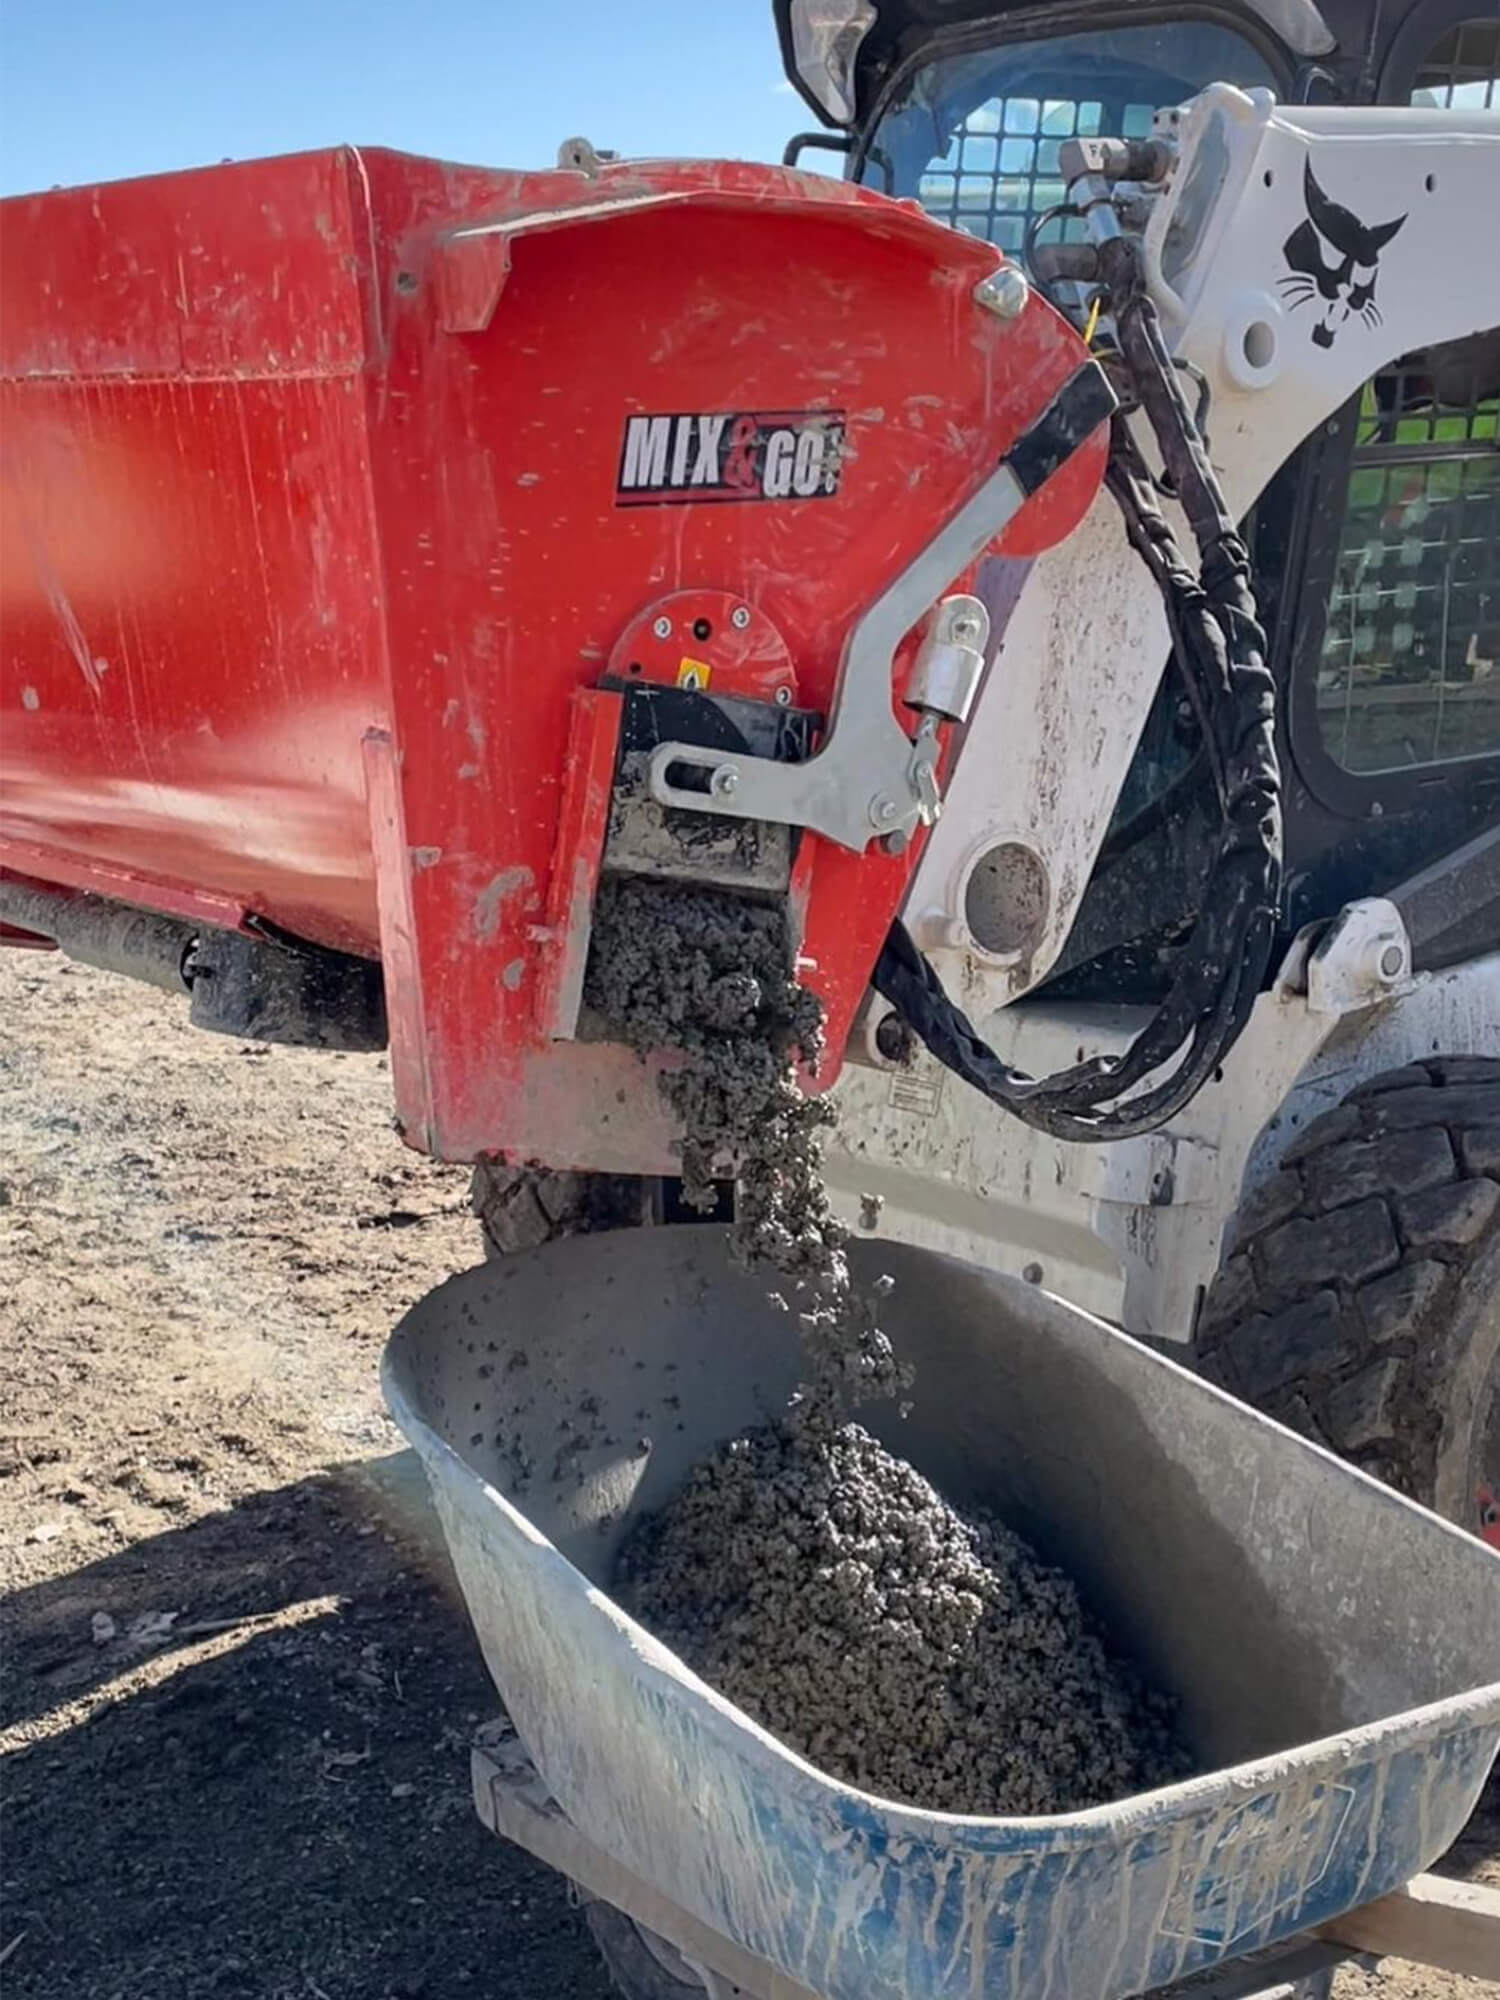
1219,650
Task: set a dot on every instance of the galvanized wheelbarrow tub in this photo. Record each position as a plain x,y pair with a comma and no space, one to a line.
1334,1647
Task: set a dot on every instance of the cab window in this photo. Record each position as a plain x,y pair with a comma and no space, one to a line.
1409,671
976,137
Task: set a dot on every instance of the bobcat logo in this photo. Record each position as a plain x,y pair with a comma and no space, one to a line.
1333,260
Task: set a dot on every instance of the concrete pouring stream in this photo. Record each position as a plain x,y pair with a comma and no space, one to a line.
816,1579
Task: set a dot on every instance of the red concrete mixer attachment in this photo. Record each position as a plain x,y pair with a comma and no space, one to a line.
390,548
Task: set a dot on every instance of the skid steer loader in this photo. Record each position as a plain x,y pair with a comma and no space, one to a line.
344,749
1322,1220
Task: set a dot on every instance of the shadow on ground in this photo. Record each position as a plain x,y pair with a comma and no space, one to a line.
265,1794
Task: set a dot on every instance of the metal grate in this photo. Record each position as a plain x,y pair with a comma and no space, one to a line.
1410,667
1410,672
1001,113
1001,167
1463,71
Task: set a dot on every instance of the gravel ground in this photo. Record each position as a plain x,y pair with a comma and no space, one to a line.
238,1688
239,1685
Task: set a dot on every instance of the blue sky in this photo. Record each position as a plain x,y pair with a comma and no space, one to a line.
99,89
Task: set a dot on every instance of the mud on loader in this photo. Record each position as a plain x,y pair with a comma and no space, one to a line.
399,554
1320,1223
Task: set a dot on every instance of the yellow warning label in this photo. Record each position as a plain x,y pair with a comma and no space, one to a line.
693,673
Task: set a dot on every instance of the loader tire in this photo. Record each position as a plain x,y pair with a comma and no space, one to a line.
520,1208
1359,1302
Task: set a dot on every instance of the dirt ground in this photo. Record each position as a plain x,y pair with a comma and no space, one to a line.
238,1685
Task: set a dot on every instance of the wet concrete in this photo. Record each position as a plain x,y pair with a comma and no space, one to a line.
829,1591
710,975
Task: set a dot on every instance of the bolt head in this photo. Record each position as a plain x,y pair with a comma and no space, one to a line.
1392,962
783,697
1003,293
883,811
724,782
895,843
663,628
739,618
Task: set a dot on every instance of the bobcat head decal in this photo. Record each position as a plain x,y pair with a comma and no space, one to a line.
1333,260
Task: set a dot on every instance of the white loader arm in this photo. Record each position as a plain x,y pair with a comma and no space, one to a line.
1292,253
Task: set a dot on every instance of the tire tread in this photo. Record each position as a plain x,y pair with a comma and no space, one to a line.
1349,1259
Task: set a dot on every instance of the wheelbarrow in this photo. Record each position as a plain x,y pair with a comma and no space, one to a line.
1334,1648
